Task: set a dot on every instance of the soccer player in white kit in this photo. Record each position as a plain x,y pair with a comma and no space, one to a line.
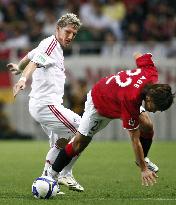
46,66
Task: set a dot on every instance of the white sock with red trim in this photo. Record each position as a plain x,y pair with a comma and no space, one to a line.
50,158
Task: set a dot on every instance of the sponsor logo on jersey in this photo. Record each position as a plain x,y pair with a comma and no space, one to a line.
41,58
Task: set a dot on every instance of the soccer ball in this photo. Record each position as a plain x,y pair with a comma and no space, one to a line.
44,187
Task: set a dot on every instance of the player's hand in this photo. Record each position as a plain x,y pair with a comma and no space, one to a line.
148,177
137,55
14,68
18,86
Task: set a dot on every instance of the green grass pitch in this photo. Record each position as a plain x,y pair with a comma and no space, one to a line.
106,170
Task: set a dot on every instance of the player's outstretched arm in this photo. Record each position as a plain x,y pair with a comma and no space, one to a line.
148,177
21,84
18,68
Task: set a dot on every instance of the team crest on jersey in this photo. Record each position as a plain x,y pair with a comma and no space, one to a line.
131,122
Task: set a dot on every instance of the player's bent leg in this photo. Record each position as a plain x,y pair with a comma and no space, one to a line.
64,123
57,121
146,132
53,152
80,142
65,177
65,156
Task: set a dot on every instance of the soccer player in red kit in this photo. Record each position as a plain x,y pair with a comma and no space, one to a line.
120,96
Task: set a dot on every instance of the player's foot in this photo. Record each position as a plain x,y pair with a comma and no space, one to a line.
51,173
151,166
71,183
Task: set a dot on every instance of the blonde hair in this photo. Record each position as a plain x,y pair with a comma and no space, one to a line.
69,18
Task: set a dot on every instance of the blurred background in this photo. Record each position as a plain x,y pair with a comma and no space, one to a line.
112,31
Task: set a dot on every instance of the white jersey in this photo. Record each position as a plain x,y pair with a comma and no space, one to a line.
49,77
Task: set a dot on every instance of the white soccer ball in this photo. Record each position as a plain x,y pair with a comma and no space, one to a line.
44,187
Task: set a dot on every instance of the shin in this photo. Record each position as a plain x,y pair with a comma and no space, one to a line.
71,150
146,132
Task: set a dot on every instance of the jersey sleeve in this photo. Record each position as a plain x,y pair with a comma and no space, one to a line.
146,64
130,116
145,61
39,56
31,54
131,123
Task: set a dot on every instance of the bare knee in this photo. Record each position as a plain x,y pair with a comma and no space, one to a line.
147,127
145,122
61,143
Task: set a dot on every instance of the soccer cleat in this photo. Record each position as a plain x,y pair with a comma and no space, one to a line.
71,183
151,166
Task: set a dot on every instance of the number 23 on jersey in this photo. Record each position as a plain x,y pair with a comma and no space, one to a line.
129,80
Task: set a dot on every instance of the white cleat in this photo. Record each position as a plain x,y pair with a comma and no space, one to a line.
71,183
151,166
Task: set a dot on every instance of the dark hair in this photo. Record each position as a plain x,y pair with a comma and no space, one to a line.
161,95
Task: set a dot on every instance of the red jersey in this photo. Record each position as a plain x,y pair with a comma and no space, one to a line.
119,96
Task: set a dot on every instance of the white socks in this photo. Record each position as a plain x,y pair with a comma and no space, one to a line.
50,158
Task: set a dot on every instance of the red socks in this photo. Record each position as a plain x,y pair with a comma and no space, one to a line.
69,150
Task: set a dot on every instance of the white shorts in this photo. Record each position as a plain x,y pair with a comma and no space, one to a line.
91,121
56,120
